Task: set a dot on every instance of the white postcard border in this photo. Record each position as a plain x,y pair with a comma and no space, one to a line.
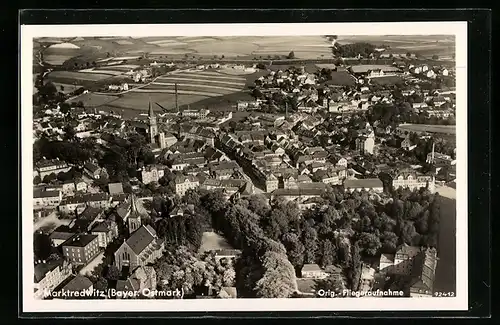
459,302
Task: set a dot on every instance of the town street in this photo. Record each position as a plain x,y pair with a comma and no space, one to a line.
446,267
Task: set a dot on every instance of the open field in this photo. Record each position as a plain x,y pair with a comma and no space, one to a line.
121,68
67,88
138,100
446,129
93,100
212,241
425,45
85,76
102,71
122,48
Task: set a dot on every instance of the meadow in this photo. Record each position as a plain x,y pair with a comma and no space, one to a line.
425,45
444,129
122,48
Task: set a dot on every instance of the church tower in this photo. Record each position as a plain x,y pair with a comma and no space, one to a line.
134,219
153,127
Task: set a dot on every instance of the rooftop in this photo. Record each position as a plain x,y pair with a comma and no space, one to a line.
81,240
363,183
140,239
78,283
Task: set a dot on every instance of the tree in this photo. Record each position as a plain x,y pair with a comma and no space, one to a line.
113,273
389,242
294,249
101,284
37,180
355,267
64,107
408,232
332,283
328,253
291,55
229,277
50,178
310,240
408,54
370,243
435,57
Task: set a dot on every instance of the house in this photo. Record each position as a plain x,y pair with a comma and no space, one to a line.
80,186
367,184
313,271
342,162
81,249
86,220
141,248
412,180
407,144
115,188
76,286
46,198
185,183
79,202
106,232
437,158
227,293
365,144
417,264
300,194
93,170
386,263
167,140
271,183
51,166
60,235
151,174
289,182
202,113
423,274
49,275
229,254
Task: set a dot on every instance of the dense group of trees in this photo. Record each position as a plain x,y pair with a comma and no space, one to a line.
353,50
179,267
263,269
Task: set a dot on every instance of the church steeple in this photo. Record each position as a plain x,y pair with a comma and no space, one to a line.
134,219
153,128
151,113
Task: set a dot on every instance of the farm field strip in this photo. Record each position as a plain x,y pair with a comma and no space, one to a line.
103,71
78,75
171,91
124,42
94,100
194,75
232,83
113,68
200,86
448,129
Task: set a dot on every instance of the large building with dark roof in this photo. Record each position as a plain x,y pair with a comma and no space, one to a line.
81,249
141,248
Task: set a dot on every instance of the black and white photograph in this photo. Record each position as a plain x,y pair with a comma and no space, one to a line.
275,166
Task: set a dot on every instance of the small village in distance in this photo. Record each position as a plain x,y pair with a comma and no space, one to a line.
322,177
